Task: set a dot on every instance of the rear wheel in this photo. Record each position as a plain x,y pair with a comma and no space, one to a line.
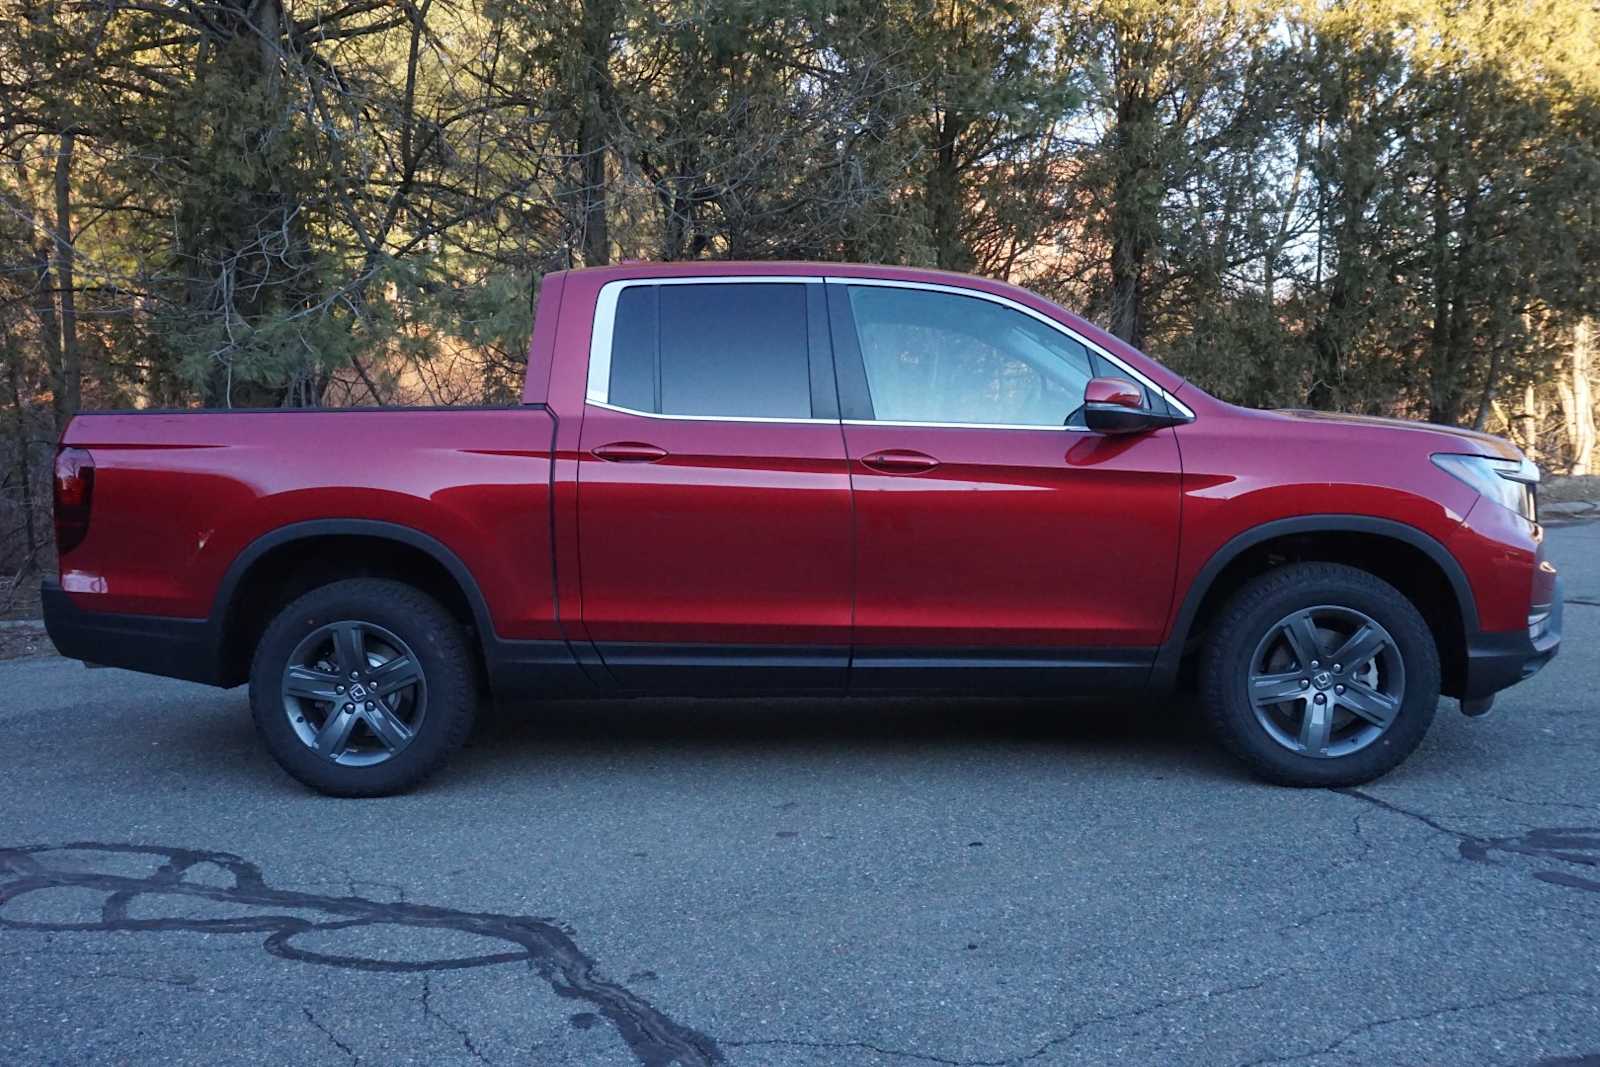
363,687
1320,674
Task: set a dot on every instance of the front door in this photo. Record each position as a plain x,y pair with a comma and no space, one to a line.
713,496
998,541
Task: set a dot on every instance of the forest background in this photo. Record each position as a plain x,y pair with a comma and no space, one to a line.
1382,206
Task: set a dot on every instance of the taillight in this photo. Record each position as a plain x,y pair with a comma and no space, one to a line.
74,495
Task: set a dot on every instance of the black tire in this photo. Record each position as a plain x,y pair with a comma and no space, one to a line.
443,659
1255,611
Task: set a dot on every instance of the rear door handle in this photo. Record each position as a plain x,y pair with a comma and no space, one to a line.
899,461
629,452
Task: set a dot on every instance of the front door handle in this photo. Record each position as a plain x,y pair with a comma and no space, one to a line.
629,452
899,461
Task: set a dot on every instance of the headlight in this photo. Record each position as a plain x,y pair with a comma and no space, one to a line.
1508,482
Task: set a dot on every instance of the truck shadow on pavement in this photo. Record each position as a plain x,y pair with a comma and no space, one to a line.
284,916
1155,734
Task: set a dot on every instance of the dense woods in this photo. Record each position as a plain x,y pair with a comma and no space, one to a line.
1386,206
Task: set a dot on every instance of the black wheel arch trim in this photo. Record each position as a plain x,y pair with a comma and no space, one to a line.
1168,659
252,553
515,666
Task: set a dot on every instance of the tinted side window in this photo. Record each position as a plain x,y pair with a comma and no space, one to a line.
940,357
634,380
718,349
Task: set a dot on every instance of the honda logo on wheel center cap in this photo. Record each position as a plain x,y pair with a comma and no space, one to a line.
1322,679
359,691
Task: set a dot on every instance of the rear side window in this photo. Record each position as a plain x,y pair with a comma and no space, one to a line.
736,350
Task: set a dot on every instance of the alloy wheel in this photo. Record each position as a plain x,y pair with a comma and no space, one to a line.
354,693
1326,681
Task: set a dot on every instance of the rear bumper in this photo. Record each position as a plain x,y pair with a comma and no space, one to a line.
176,648
1496,661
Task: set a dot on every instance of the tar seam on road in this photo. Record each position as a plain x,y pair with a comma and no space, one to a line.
1575,845
654,1039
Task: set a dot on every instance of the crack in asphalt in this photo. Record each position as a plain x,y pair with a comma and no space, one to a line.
1053,1043
1573,845
331,1036
654,1039
429,1011
1433,1013
1546,803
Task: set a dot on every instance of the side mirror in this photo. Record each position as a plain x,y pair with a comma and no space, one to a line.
1116,405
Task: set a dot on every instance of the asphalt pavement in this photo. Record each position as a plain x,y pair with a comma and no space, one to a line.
800,883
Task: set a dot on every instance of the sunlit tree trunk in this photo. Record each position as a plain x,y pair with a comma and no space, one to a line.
1577,399
68,371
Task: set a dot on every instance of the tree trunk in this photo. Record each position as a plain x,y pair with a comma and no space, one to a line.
1135,199
944,195
24,464
1490,380
43,300
1443,397
68,374
1577,400
599,23
1528,423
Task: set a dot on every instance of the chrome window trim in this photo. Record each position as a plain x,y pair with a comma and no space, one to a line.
708,418
995,298
598,389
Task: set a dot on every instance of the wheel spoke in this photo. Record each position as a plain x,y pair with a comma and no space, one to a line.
1355,653
308,683
387,725
1377,708
395,675
1301,633
335,733
1275,688
349,645
1315,726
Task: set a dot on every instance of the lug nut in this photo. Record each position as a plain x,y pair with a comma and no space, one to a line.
1338,689
349,707
1321,699
369,705
1304,682
1315,664
1337,668
355,674
338,689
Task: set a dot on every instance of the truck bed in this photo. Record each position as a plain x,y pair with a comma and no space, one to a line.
181,496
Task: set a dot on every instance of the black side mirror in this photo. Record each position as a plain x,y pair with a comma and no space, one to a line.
1116,405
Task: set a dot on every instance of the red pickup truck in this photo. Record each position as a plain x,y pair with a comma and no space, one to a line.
739,478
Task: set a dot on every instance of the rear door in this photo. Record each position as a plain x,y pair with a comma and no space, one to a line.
713,495
998,541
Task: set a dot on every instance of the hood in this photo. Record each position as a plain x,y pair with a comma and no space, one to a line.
1451,438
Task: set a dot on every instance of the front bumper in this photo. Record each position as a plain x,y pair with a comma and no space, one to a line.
154,644
1496,661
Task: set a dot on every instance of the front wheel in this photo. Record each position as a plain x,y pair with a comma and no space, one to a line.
363,687
1320,674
